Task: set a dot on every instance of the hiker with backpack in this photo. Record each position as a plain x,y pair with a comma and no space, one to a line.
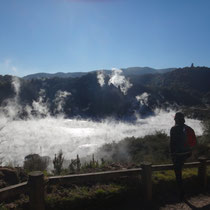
182,139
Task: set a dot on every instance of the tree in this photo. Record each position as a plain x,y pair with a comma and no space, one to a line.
35,162
58,162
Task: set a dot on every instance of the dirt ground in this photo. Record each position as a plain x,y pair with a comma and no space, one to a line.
201,201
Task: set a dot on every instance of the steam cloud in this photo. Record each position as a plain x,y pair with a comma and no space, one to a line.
118,80
143,98
16,85
60,98
41,107
101,77
12,107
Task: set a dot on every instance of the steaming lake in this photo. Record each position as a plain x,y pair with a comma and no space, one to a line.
47,136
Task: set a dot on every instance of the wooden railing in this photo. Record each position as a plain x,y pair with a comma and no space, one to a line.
35,185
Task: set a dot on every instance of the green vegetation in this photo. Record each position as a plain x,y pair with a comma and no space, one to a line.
91,197
58,163
35,162
153,148
107,196
75,165
2,207
21,203
203,146
206,134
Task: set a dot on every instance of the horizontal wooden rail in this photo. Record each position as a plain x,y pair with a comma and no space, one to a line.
13,191
162,167
145,172
112,174
93,177
170,166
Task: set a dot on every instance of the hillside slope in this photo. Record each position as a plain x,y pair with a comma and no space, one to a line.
119,96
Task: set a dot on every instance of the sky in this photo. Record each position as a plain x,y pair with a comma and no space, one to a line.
84,35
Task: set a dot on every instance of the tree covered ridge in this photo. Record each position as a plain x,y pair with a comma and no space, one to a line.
182,87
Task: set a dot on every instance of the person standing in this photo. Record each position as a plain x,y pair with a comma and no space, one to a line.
182,139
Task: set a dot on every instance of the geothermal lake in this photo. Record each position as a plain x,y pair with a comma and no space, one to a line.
48,135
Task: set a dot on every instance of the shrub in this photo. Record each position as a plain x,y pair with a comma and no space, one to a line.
75,165
34,162
206,134
58,162
153,148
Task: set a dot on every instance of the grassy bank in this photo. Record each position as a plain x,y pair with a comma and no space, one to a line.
114,195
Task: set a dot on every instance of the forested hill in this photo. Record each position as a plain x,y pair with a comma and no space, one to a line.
196,78
120,96
125,71
192,82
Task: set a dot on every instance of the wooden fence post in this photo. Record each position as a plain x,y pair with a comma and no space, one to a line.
202,175
147,180
36,190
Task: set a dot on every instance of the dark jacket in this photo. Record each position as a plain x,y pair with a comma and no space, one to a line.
178,139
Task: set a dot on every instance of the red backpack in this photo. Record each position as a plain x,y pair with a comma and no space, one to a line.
191,138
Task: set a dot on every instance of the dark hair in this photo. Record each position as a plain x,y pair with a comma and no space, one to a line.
179,115
179,118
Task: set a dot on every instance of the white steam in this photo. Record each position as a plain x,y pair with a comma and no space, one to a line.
59,101
16,85
143,98
119,81
116,79
41,107
12,107
101,78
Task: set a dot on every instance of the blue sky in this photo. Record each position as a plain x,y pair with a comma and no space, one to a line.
84,35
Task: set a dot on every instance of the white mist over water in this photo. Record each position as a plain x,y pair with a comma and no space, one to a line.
46,135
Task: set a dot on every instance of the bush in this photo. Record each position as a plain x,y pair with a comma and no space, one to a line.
203,142
206,134
153,148
75,165
58,163
34,162
89,197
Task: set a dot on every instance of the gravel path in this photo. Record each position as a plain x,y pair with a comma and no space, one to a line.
197,202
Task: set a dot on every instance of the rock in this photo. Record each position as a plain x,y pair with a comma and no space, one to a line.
9,176
2,183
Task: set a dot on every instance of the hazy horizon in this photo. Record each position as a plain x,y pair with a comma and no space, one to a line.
48,72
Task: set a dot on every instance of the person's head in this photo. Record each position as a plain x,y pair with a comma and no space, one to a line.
179,118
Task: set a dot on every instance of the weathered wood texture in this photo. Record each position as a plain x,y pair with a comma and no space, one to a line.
36,190
202,172
147,180
94,177
13,191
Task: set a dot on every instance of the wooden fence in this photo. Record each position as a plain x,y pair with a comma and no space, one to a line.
35,185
